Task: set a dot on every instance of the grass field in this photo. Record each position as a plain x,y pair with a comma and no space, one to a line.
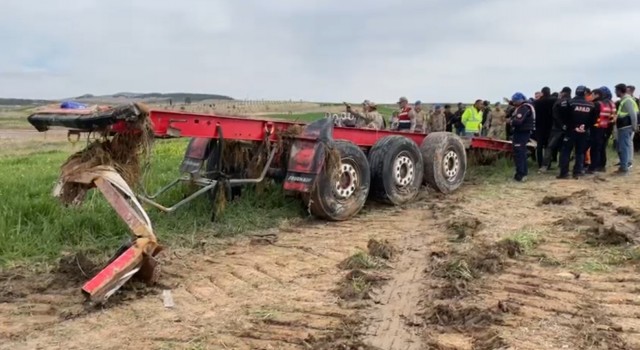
34,226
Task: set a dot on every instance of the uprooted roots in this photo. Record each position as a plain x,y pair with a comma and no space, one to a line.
489,259
123,152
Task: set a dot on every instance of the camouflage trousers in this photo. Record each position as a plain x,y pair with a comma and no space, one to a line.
498,132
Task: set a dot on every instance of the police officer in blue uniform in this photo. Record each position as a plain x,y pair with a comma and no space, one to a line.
522,122
580,114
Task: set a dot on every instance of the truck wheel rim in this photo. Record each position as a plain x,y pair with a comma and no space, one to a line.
347,181
403,170
451,164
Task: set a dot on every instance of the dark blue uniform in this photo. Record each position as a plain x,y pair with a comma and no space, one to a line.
523,123
579,116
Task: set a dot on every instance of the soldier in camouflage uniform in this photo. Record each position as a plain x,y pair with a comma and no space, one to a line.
418,115
497,122
437,121
370,118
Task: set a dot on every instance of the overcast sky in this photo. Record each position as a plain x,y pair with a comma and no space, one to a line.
320,50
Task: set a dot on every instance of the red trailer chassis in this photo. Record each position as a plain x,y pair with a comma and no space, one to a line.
333,169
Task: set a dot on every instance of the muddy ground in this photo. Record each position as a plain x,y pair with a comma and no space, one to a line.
544,265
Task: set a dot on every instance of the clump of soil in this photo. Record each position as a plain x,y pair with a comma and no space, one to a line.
508,307
357,285
595,332
490,340
555,200
454,290
361,260
71,270
607,236
467,318
348,337
464,226
486,259
574,223
626,211
381,249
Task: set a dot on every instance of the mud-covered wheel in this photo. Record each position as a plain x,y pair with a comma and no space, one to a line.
445,161
397,170
342,195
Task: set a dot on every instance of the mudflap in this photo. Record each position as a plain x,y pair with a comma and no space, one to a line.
307,156
195,155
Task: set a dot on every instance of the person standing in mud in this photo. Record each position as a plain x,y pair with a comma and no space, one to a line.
558,128
544,116
523,123
486,121
458,126
581,115
448,116
419,118
497,122
600,131
437,120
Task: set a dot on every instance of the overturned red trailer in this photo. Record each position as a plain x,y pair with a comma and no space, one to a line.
334,170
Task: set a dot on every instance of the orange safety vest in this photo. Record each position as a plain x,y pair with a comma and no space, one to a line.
607,110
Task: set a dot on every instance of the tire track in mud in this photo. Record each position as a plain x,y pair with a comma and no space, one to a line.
531,302
271,296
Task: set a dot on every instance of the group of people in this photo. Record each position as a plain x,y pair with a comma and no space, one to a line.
478,119
580,124
561,123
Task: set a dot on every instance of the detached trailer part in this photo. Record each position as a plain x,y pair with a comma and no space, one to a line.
383,165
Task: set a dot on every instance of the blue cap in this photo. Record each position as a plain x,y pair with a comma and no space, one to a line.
518,97
605,91
581,90
438,106
418,102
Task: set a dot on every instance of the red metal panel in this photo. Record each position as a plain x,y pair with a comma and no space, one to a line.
491,144
204,125
247,129
130,257
369,137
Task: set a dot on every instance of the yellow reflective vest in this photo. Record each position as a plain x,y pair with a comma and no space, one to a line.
472,120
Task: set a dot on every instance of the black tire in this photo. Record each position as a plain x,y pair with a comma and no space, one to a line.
397,170
445,161
327,201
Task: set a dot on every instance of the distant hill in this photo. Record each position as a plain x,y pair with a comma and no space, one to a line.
176,96
22,102
120,97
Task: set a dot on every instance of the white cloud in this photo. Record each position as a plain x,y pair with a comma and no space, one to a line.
457,50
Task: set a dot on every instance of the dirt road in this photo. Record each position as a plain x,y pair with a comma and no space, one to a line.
541,265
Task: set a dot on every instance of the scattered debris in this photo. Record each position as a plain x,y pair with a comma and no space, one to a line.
555,200
626,211
464,226
347,337
167,299
468,318
361,261
509,306
607,236
381,249
264,239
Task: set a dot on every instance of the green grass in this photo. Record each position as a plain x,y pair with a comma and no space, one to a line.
14,118
360,260
35,227
527,239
